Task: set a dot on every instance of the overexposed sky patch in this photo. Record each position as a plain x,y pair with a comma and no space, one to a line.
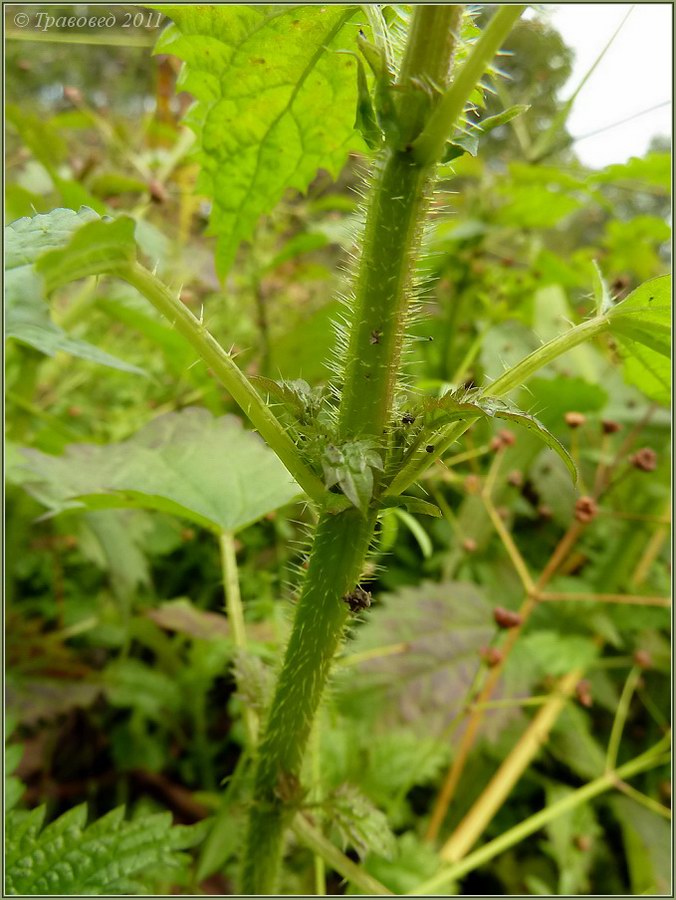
634,75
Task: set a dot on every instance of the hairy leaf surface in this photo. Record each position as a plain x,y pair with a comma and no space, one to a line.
454,407
274,103
190,464
66,857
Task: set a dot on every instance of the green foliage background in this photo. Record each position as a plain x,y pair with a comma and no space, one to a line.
124,683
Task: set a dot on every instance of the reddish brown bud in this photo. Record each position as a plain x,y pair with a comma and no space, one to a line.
507,437
74,412
472,484
515,478
645,460
583,693
583,842
506,618
469,545
72,94
609,426
643,659
158,192
586,509
492,656
187,534
575,419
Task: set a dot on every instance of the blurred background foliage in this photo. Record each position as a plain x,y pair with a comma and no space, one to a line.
119,658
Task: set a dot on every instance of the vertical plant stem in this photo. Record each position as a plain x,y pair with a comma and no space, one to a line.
381,296
340,546
233,607
621,717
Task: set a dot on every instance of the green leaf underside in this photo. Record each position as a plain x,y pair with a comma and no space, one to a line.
274,103
454,407
68,858
188,463
443,626
27,242
641,325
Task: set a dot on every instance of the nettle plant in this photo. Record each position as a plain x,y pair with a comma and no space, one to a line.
275,91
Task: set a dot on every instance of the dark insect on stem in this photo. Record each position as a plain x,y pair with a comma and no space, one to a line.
376,335
357,599
407,419
430,448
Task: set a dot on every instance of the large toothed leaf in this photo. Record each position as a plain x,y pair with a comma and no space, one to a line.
642,326
111,856
274,103
440,629
456,406
27,313
189,463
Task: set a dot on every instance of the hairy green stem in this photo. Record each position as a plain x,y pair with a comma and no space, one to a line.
340,546
229,374
383,287
652,758
391,240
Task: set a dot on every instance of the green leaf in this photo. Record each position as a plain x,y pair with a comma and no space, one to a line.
647,842
27,312
68,858
414,862
572,743
653,168
468,141
360,824
133,684
564,833
274,102
351,466
642,326
456,406
100,247
412,504
188,463
442,628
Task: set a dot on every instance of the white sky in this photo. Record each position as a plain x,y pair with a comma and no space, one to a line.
634,75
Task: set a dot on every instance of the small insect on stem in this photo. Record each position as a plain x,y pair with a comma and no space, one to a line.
357,599
376,335
407,419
